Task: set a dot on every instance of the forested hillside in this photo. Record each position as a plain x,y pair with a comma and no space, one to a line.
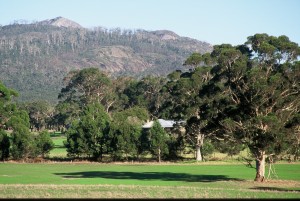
34,58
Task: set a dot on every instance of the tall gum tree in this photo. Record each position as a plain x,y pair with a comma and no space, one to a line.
254,92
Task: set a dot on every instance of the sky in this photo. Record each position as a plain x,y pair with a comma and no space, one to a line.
212,21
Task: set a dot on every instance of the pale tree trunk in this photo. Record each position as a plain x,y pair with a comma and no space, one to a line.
260,166
199,144
198,153
159,157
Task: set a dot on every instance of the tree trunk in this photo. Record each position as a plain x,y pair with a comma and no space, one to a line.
260,167
199,144
159,157
198,153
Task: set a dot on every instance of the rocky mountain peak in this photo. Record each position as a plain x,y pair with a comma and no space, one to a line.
165,34
61,22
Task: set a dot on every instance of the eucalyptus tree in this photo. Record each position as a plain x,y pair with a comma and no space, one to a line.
182,101
146,93
254,92
86,86
82,87
64,114
40,112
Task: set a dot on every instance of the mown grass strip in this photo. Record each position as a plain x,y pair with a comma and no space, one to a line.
93,180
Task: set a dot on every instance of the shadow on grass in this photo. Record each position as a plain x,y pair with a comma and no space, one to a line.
163,176
263,188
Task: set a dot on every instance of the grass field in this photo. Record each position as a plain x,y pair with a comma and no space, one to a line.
168,180
213,179
59,150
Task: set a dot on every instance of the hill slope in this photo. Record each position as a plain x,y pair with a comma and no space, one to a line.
34,58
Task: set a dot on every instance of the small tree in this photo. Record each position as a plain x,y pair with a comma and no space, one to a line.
89,135
22,142
44,143
126,131
158,140
75,142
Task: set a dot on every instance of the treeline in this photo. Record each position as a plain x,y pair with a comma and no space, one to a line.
234,97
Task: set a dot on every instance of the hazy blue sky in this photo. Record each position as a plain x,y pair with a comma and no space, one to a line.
213,21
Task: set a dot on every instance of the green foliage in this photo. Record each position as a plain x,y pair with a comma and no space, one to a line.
4,145
175,146
229,147
75,143
207,149
6,107
193,60
126,132
252,95
5,93
294,146
146,93
39,113
85,86
44,143
65,113
158,140
17,120
22,144
125,139
88,136
18,117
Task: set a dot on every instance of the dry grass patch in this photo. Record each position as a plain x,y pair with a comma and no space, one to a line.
237,190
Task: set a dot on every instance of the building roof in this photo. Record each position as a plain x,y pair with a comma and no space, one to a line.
162,122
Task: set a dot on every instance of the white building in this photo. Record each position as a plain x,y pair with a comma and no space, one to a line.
163,123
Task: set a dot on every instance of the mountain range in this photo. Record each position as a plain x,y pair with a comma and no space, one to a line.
35,57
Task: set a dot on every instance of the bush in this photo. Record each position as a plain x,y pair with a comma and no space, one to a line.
4,145
22,142
43,143
207,148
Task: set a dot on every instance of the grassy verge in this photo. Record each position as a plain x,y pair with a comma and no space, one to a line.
94,180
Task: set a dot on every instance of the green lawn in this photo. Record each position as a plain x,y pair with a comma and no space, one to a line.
96,180
59,150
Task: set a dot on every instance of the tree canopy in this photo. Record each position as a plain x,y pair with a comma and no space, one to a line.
253,93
